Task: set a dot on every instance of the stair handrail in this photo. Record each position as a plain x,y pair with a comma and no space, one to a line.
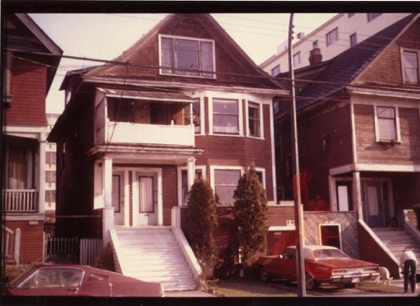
409,227
118,257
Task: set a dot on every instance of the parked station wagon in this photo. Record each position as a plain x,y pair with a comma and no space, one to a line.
323,264
79,280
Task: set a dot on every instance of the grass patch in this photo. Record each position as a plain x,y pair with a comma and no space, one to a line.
248,288
374,287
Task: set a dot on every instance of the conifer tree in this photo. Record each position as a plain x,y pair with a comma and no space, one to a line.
250,221
201,223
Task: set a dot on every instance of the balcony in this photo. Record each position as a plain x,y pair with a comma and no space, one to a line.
20,200
134,133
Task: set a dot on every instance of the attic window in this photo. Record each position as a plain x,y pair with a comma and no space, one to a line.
186,56
410,62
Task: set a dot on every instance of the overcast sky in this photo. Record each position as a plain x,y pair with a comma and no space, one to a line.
105,36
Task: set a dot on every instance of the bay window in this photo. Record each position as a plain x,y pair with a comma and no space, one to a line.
225,184
225,116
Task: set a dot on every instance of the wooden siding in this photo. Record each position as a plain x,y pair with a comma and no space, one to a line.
169,192
387,67
372,152
28,88
278,215
32,240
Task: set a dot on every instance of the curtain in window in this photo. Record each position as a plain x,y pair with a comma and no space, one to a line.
225,116
146,194
226,182
411,69
386,123
167,55
207,58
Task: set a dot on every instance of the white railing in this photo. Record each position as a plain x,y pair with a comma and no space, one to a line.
20,200
10,244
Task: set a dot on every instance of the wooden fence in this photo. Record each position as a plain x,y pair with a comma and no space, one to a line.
72,250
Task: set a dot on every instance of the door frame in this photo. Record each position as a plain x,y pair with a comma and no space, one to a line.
386,211
129,174
157,173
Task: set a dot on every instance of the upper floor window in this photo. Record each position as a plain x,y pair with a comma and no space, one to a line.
372,16
225,116
410,67
387,123
315,44
353,40
350,14
254,120
332,37
275,71
296,59
187,56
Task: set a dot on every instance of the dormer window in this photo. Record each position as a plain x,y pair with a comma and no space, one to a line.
410,67
187,56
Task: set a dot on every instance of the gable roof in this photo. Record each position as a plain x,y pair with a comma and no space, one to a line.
130,57
347,66
23,35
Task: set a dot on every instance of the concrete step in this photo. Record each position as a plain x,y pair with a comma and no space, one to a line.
152,254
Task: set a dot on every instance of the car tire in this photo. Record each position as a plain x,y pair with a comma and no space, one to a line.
310,282
350,285
264,276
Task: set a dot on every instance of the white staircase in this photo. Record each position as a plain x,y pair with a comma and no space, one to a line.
152,254
396,240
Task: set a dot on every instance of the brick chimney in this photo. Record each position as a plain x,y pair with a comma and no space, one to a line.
315,56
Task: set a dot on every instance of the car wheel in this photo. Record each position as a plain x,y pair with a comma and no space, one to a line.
264,276
311,284
350,285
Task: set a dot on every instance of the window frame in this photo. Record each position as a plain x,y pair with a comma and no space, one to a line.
396,123
297,59
260,119
213,170
372,16
239,115
329,37
353,39
404,79
275,71
175,71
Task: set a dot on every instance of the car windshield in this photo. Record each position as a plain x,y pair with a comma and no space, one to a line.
329,254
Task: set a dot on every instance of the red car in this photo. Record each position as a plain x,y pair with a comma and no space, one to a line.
79,280
323,264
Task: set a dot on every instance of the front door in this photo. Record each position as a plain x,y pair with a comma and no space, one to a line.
373,206
118,197
145,200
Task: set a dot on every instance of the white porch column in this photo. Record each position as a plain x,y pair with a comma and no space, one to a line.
191,172
41,181
357,195
108,210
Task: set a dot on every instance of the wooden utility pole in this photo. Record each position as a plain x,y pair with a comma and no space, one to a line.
300,266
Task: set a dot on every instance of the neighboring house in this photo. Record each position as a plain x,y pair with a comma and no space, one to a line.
183,102
359,138
338,34
31,60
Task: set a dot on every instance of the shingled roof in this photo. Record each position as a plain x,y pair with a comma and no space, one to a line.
345,67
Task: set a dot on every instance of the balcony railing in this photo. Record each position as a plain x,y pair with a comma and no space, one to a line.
123,132
20,200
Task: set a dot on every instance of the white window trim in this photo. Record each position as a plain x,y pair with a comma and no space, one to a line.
179,174
240,117
397,123
202,117
212,41
260,114
328,41
262,170
212,177
402,50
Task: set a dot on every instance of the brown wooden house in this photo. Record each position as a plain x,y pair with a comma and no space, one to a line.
30,60
184,101
359,137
